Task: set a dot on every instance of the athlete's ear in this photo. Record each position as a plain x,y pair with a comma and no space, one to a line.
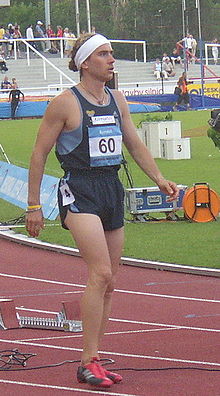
84,65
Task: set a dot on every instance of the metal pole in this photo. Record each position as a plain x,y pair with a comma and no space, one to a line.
145,51
161,49
77,18
201,52
183,15
47,12
199,18
135,28
88,16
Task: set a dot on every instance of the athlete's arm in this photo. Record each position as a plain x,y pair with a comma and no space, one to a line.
54,121
140,152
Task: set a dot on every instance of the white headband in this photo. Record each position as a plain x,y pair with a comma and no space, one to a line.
88,48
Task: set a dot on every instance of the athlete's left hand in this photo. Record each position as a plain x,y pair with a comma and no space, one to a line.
169,188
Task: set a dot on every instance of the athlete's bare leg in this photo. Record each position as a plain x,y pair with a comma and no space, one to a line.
115,242
95,245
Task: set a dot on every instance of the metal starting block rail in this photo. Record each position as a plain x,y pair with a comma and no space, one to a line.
49,324
66,320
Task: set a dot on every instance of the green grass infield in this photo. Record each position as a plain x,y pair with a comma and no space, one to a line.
180,242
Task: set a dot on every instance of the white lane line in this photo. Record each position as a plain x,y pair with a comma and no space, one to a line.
116,290
167,296
41,280
106,334
129,355
165,325
37,294
65,388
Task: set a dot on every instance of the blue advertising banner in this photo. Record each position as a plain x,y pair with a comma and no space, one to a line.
25,109
14,185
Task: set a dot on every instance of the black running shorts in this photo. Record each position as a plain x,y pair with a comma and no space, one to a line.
96,192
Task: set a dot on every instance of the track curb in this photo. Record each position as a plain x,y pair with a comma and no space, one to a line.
156,265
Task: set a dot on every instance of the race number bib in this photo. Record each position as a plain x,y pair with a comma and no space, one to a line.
67,195
105,143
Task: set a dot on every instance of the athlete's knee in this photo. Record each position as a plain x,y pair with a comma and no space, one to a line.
111,286
102,279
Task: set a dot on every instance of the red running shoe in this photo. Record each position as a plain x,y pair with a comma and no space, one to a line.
93,374
116,378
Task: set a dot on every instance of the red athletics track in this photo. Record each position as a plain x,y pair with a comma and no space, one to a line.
159,320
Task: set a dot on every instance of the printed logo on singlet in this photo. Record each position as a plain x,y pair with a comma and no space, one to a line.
90,113
103,120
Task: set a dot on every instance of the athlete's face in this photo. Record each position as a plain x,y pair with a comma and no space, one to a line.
101,63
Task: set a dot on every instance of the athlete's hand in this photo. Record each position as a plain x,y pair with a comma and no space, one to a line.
34,222
169,188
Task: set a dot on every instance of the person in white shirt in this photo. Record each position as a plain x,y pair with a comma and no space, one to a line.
215,51
158,70
187,43
168,67
30,35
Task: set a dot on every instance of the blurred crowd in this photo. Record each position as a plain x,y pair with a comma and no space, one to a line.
39,31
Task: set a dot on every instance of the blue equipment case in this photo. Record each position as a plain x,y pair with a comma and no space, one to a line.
151,199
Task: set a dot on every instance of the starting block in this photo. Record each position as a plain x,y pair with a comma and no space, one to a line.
66,320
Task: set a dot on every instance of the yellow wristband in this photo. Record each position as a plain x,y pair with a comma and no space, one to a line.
34,207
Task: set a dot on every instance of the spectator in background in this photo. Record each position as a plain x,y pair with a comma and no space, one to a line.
6,46
178,48
176,58
14,82
187,43
50,32
215,51
11,44
70,43
53,44
65,35
59,34
59,31
2,32
167,66
165,57
30,35
3,66
5,84
194,46
17,35
158,70
11,29
39,33
14,98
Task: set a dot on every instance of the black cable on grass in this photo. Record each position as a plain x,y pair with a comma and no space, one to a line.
17,220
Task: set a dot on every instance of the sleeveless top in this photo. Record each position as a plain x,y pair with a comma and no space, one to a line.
97,142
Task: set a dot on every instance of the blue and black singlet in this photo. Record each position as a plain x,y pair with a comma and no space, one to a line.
96,143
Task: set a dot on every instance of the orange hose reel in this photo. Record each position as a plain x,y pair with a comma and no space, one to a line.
201,203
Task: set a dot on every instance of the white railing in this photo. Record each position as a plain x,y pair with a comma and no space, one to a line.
45,60
207,46
47,40
62,40
141,42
